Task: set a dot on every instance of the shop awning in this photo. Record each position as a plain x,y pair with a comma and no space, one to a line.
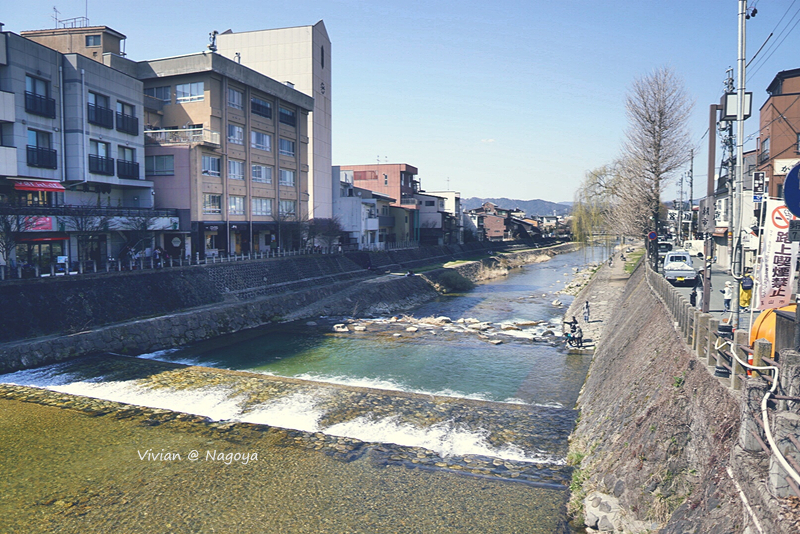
37,239
37,185
720,231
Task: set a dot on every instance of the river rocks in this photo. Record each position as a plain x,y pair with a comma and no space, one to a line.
412,329
359,328
341,328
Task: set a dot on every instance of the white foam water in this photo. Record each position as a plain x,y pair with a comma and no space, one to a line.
297,411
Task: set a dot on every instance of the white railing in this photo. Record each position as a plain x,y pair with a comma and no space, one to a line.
182,136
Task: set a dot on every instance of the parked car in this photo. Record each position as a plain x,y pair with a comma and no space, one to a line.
694,247
678,268
663,248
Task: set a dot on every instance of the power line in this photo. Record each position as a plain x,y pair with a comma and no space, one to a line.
775,45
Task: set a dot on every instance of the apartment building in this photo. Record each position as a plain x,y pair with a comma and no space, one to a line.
300,56
779,124
71,188
453,224
80,38
228,148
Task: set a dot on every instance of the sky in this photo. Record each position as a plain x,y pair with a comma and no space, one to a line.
514,99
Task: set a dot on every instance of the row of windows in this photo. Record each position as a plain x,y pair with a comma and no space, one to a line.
164,165
260,140
212,204
195,92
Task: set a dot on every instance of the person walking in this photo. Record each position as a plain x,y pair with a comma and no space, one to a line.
586,311
746,292
727,295
578,337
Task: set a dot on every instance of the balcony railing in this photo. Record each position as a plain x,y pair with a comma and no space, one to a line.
101,116
41,211
408,201
101,165
128,124
762,157
181,136
45,158
40,105
127,169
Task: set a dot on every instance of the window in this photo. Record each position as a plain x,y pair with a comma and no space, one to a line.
235,98
36,98
286,147
212,203
126,118
159,165
262,206
235,169
211,166
385,179
100,111
190,92
161,93
39,152
235,134
322,57
287,116
235,205
92,40
126,163
261,174
262,108
287,177
287,207
430,202
798,142
260,141
99,160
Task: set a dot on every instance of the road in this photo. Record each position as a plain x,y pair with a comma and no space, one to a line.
718,278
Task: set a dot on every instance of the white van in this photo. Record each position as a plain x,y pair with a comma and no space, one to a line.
694,247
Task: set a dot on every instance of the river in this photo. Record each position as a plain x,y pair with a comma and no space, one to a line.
490,398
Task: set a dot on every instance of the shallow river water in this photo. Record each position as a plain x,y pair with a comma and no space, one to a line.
443,398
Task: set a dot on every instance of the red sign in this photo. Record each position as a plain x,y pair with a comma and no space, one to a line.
39,224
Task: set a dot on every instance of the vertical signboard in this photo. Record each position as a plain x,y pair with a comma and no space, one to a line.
705,217
778,260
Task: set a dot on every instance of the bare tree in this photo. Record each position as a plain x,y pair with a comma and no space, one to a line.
87,220
325,231
12,223
657,139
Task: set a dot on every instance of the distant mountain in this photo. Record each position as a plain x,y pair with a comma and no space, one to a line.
530,207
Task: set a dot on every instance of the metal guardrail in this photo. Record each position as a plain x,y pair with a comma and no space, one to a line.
181,136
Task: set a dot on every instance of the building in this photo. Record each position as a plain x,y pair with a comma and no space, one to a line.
80,38
227,147
300,56
454,223
779,124
492,223
369,219
397,181
71,187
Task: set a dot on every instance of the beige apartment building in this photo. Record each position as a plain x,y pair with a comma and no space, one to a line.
228,147
300,56
89,41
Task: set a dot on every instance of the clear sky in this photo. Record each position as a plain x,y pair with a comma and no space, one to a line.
513,98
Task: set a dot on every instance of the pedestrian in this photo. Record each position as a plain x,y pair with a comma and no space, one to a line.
578,335
586,311
693,297
572,324
727,295
746,291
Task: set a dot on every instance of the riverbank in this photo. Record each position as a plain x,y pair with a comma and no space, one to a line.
655,430
336,292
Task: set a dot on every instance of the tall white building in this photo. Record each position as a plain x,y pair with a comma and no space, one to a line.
300,56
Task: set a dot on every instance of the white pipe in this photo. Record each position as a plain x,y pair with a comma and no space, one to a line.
775,450
63,138
84,147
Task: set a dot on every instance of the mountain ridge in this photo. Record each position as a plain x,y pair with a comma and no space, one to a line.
530,207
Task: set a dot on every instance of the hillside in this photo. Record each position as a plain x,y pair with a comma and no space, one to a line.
530,207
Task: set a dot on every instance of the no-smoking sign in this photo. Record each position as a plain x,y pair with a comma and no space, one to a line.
781,217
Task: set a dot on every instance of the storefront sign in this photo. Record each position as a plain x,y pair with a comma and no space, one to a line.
783,166
38,224
176,242
776,271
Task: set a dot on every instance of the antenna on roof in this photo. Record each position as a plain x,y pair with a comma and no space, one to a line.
212,37
56,13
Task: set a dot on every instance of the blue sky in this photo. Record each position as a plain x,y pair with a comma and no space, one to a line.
511,98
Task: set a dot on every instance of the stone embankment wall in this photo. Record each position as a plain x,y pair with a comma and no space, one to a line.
656,431
222,299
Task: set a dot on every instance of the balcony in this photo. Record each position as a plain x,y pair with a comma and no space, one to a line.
762,157
101,116
66,211
127,169
127,124
182,137
408,201
40,105
46,158
101,165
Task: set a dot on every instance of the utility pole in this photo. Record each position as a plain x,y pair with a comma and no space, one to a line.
680,213
737,270
691,192
708,249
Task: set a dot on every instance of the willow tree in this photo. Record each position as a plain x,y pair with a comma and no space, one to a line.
657,142
591,206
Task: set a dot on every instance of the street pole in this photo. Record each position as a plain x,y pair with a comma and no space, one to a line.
709,245
736,270
691,192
